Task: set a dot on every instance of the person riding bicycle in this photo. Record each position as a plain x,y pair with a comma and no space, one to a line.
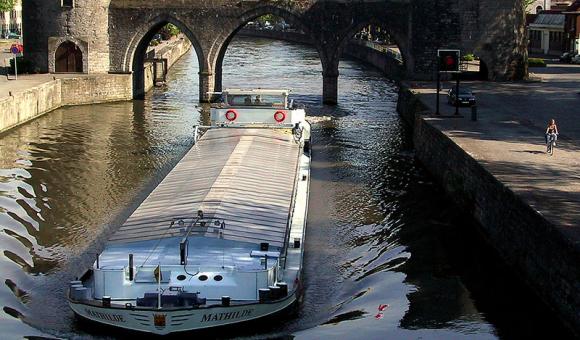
552,131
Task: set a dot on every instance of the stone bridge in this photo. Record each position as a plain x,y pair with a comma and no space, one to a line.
112,35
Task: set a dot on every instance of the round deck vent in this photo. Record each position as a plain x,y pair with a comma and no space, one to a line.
202,277
181,277
218,277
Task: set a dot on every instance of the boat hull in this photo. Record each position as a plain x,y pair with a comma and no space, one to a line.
179,320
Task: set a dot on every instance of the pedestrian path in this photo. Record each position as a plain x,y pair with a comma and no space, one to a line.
28,81
508,138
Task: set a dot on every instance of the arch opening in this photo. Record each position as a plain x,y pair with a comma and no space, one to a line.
68,58
158,48
377,45
473,67
263,23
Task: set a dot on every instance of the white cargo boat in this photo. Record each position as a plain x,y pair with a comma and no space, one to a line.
220,240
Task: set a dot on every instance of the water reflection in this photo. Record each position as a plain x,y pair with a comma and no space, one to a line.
387,255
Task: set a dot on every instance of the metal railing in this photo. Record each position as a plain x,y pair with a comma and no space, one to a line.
379,47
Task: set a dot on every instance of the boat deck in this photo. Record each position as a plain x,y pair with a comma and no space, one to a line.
244,176
204,253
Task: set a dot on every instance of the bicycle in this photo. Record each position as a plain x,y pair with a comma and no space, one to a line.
550,143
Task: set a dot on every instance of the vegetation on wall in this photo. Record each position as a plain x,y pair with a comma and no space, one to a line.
6,5
169,30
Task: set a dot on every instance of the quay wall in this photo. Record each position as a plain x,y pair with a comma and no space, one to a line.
23,106
172,53
31,103
528,243
390,66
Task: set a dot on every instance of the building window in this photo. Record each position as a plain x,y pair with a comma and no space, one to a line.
68,3
68,58
535,39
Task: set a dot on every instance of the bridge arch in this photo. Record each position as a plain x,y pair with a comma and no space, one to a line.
398,36
134,58
288,16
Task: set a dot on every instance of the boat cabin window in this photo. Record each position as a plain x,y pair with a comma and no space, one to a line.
277,101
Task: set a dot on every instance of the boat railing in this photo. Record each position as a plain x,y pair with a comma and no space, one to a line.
282,260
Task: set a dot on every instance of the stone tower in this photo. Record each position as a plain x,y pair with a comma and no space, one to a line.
74,32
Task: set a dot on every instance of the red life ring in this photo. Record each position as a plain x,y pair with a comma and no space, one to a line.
280,116
231,115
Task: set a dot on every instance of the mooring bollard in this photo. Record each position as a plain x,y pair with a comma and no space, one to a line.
474,113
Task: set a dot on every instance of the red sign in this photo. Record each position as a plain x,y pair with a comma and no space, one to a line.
16,48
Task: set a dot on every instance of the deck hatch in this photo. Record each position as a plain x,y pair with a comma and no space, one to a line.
245,176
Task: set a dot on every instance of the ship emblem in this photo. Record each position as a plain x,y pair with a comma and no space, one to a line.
159,320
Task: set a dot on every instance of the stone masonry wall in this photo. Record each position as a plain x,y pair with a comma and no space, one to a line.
48,20
525,240
96,89
173,52
93,89
36,101
391,67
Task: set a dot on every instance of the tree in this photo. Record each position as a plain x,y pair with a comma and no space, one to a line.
6,5
527,4
169,31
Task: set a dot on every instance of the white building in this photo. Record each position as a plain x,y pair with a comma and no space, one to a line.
11,21
547,34
538,6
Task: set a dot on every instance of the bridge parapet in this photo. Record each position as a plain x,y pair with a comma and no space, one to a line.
115,33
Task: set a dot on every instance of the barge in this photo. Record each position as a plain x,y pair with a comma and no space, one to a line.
221,239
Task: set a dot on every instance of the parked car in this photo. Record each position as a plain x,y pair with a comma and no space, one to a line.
13,35
566,57
466,97
575,59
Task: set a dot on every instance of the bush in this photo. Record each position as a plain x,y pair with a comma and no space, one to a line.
536,62
173,30
24,66
169,31
154,43
468,57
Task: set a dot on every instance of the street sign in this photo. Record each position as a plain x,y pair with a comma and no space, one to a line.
448,61
16,48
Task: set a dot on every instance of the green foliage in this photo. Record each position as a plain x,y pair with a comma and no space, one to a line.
168,31
172,29
536,62
271,18
468,57
6,5
154,43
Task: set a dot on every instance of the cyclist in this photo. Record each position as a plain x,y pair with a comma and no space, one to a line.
552,130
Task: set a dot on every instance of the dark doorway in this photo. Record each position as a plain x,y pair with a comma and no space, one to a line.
69,58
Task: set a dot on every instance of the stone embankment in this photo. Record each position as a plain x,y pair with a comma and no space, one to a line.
171,51
496,169
23,105
34,95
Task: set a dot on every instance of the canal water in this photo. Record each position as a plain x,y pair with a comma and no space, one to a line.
387,253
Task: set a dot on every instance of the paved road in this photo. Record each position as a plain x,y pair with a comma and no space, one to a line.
27,81
508,138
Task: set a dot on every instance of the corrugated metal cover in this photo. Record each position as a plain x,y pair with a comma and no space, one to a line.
245,176
550,19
